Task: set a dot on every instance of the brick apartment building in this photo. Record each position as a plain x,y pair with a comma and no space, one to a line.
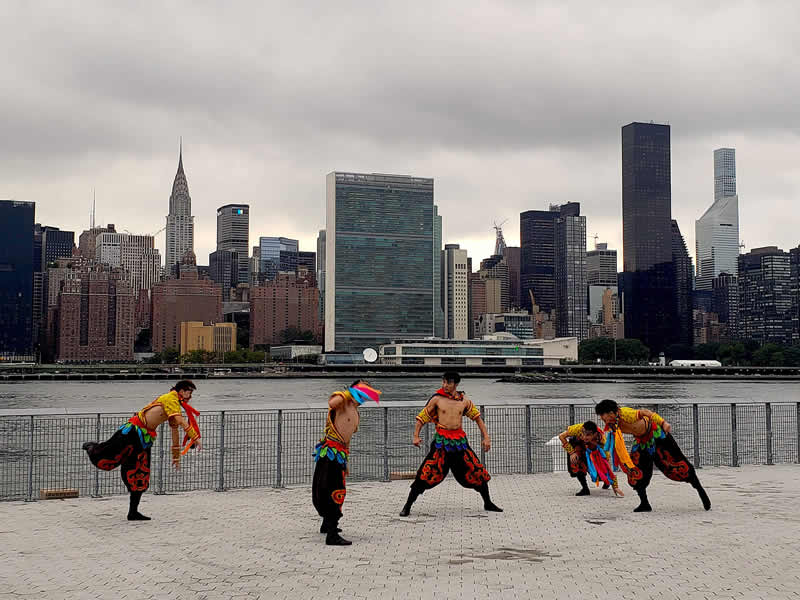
287,301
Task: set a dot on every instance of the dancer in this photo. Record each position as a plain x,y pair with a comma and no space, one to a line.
586,448
654,445
129,447
449,448
331,453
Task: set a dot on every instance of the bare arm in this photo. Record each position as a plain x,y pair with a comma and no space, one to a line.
417,429
336,401
656,418
573,454
424,416
486,442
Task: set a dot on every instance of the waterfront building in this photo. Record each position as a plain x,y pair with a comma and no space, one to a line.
16,279
233,233
649,274
497,350
136,254
455,292
187,298
682,263
516,323
180,222
286,302
293,351
765,312
380,238
95,316
215,337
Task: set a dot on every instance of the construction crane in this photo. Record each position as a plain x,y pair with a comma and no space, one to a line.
500,242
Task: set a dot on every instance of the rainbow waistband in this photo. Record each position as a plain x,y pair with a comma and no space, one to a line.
332,450
146,436
451,440
647,442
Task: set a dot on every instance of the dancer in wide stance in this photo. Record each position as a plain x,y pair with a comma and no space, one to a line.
590,453
449,449
654,445
328,488
129,447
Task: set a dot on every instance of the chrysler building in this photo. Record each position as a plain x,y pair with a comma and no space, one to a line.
180,222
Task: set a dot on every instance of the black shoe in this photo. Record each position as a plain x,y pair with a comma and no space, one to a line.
88,446
606,486
583,492
406,511
491,506
643,507
137,516
334,539
704,498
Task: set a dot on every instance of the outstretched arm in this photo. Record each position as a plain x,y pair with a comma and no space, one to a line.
656,418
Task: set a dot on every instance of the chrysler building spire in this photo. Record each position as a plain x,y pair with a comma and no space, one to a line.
180,222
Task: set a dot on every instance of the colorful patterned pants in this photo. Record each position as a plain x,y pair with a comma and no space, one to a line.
669,459
125,451
464,464
581,468
328,489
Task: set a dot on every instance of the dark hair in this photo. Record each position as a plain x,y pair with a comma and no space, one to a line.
452,376
606,406
590,427
357,381
184,384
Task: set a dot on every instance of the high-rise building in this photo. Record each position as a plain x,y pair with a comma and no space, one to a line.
725,303
136,254
537,258
321,273
683,287
223,268
724,173
87,241
55,244
255,266
278,255
717,231
233,233
495,270
379,260
185,299
307,261
95,316
180,222
569,244
513,258
601,266
16,279
283,303
438,309
649,274
765,296
455,292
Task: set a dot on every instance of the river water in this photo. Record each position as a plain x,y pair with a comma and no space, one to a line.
310,392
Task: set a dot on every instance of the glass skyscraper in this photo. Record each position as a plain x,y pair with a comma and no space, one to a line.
16,279
379,273
537,258
278,254
649,274
233,233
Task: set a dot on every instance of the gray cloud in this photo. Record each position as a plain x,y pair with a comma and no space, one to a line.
508,105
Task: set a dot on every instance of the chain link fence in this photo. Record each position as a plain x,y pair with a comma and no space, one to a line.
272,448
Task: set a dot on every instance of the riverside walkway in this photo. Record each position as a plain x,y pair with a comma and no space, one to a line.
263,543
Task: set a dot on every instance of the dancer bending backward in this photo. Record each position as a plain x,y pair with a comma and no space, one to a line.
654,445
331,454
129,447
449,449
589,454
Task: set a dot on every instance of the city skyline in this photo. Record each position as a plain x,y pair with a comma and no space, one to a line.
497,148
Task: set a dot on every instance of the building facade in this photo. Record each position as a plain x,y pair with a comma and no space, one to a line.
95,317
569,243
321,273
217,337
379,280
136,254
684,285
455,292
513,258
179,300
223,268
16,279
601,266
87,240
180,222
516,323
277,255
55,244
649,274
537,258
286,302
766,308
233,233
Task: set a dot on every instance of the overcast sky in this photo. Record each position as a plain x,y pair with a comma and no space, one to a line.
509,106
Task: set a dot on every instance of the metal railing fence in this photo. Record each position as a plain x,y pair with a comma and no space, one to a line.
272,448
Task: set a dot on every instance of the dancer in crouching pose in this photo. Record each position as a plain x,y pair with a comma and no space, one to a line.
331,454
449,449
590,454
654,445
129,447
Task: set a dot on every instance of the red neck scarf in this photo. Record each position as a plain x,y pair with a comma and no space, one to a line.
191,415
454,396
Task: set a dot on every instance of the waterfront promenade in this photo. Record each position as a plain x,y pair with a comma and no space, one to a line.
263,543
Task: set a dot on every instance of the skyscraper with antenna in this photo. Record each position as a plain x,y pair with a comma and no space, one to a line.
180,222
499,242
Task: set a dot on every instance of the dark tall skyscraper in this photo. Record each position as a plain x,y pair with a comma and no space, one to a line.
16,278
683,286
537,258
513,255
233,233
55,244
223,267
649,273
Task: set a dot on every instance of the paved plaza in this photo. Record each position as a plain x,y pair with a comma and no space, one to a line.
263,543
